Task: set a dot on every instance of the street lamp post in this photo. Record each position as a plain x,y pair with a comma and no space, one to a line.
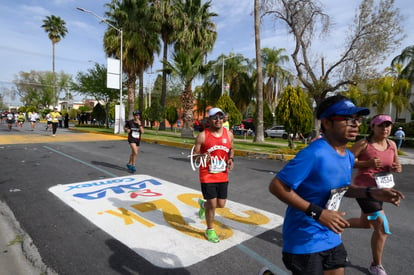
222,72
120,129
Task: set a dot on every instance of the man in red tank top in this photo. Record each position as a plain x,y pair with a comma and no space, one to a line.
214,148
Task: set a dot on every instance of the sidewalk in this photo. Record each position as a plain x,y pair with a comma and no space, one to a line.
19,255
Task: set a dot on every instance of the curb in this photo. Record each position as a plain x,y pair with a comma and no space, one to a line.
240,153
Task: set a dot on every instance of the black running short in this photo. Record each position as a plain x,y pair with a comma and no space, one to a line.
316,263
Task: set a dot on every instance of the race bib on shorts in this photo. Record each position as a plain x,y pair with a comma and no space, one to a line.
384,180
335,198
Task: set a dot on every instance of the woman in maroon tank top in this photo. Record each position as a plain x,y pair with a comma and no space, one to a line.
376,157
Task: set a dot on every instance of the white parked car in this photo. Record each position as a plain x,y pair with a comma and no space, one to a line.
276,131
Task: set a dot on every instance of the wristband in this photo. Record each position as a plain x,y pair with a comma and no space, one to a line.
368,193
314,211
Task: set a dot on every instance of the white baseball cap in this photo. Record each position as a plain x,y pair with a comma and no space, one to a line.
214,111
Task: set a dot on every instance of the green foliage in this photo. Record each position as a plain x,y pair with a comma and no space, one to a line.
35,88
93,83
73,113
153,113
268,119
227,105
98,113
84,108
171,115
294,112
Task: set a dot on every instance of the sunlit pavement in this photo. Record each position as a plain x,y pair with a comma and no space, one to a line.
40,135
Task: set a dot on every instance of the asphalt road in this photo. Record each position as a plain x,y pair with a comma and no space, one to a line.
68,243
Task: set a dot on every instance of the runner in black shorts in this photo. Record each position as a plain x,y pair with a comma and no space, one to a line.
134,129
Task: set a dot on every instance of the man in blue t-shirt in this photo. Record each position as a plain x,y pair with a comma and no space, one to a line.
313,184
400,136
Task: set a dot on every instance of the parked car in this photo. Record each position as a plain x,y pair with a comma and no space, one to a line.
276,131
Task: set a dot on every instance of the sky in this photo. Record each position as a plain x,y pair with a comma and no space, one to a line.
25,46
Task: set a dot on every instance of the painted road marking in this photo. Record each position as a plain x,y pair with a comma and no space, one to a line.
157,218
60,137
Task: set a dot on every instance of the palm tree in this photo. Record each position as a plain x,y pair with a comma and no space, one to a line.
140,37
237,71
406,58
401,87
165,14
196,25
195,39
276,76
259,137
56,30
186,65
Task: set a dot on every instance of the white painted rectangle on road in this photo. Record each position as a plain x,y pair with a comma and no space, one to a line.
159,220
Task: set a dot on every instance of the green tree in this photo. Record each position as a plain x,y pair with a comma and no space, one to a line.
237,72
140,42
56,30
38,89
171,115
268,119
389,91
186,65
165,14
93,83
154,113
197,29
99,113
294,112
227,105
276,77
374,33
406,59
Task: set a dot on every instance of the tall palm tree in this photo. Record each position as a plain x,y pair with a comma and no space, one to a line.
259,137
276,76
56,30
186,65
401,87
195,39
406,58
165,14
196,25
140,41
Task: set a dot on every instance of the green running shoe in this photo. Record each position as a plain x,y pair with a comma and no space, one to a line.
202,210
212,236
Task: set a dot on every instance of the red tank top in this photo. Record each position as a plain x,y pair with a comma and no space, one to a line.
218,148
365,176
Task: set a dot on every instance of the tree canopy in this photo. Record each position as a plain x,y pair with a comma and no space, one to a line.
374,33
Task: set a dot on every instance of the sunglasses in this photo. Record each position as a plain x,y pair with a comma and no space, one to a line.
385,124
350,121
216,117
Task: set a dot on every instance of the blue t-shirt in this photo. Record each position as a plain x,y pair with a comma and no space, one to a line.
312,174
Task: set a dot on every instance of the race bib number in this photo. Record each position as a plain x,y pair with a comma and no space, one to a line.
135,134
335,199
384,180
217,166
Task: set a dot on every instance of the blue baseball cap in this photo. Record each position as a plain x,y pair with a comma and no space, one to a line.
344,108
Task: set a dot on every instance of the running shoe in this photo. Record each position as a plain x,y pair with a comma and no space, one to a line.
133,168
129,166
212,236
202,210
377,270
265,271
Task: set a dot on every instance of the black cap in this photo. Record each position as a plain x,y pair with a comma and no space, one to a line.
137,112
